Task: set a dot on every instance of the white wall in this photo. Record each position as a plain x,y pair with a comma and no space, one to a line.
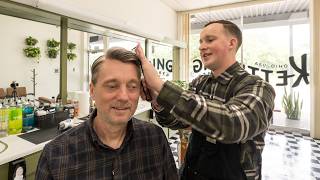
150,18
16,66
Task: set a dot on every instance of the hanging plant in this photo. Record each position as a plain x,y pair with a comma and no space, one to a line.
71,46
53,48
30,41
70,55
53,43
31,51
53,53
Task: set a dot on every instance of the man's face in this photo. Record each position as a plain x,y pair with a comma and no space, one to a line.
214,46
116,92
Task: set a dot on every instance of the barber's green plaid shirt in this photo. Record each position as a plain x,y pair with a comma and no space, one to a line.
243,119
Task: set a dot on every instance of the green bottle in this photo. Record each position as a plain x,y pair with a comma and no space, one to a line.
4,113
15,119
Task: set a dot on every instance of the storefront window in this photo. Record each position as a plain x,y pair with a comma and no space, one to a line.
161,56
196,67
275,47
266,53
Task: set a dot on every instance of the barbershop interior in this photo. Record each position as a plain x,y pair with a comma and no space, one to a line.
49,47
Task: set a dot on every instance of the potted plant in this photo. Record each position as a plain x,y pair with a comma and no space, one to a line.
292,105
52,53
52,43
30,41
53,48
31,51
70,55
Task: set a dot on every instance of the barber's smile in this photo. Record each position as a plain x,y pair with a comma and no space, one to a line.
206,55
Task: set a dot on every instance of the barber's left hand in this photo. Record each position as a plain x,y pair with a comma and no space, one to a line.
150,73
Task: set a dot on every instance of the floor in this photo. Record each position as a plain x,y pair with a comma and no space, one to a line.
287,156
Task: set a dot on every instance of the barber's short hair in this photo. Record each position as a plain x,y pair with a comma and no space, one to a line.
230,28
118,54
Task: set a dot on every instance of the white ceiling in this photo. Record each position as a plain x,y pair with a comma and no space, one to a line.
272,11
280,10
185,5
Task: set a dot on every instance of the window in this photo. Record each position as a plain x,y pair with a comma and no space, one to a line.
275,47
161,56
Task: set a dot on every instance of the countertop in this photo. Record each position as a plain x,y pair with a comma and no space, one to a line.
18,147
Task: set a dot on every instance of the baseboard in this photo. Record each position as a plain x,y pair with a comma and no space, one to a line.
304,132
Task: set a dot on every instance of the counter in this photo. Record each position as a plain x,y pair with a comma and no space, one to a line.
18,147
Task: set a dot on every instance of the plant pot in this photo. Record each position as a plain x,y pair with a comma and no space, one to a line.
52,53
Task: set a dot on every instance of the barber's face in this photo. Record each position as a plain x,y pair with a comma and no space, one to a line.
214,46
116,92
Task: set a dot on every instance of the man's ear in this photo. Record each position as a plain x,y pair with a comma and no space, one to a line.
233,43
92,91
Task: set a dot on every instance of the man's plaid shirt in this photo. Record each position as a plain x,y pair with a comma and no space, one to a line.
79,154
241,118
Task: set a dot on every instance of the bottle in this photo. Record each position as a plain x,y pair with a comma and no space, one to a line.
15,118
3,120
76,108
28,116
59,106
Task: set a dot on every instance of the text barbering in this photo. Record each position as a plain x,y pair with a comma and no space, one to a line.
266,69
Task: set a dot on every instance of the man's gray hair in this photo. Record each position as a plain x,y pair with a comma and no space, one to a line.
118,54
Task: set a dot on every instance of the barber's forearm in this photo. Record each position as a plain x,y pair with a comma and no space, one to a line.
158,84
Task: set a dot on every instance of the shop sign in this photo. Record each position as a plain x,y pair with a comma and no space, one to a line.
266,69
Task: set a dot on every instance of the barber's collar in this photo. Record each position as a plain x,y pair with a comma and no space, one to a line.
226,76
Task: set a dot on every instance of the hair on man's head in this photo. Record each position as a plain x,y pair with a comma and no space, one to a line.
118,54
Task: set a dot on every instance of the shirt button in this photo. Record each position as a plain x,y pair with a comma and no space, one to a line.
195,172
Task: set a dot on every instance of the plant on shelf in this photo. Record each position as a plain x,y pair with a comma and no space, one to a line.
292,105
31,51
70,55
52,48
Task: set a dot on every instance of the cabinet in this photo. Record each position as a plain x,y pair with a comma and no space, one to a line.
31,165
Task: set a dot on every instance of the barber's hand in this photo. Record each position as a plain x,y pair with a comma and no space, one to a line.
153,93
150,73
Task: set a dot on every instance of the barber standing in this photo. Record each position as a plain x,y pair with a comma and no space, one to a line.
229,110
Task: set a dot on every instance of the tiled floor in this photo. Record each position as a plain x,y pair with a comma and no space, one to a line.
287,156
